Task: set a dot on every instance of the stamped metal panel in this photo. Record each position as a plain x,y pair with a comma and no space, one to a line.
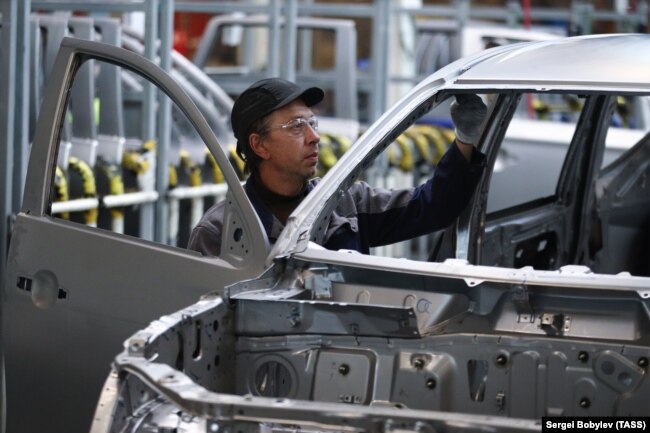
302,363
473,368
265,317
74,293
569,62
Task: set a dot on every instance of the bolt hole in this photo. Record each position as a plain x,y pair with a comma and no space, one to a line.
607,368
418,363
625,379
583,356
501,359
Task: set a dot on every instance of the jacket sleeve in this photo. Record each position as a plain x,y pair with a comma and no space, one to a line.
206,236
389,216
205,240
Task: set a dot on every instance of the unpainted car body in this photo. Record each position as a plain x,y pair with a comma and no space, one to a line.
525,312
331,340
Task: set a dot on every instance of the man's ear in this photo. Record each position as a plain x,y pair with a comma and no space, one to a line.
258,145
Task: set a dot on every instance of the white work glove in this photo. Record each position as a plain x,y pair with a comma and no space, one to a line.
468,113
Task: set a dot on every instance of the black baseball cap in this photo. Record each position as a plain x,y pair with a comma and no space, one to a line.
261,99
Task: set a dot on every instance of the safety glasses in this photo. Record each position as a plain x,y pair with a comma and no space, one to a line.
297,127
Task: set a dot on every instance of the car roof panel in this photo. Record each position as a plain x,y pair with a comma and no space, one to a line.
549,64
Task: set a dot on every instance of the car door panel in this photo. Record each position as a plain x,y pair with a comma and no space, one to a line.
74,293
104,287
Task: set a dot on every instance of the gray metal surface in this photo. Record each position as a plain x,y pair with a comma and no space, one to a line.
21,125
497,367
57,289
534,65
8,67
163,120
205,393
8,58
109,90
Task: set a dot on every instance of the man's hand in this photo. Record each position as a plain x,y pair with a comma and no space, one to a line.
468,113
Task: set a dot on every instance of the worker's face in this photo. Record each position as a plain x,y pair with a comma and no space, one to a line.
289,146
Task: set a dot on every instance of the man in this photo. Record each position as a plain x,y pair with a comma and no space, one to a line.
277,137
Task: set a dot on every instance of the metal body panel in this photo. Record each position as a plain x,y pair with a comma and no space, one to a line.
72,293
477,364
502,345
536,64
473,275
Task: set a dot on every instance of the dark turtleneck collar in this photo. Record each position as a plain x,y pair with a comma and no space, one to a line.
280,205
